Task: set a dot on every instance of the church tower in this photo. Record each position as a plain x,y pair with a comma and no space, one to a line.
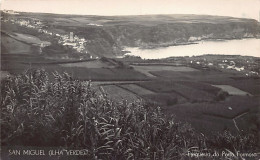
71,37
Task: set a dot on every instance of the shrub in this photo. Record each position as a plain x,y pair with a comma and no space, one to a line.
221,95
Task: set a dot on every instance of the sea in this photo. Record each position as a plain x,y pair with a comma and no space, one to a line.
244,47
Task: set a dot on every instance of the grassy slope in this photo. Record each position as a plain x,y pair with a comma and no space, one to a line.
13,46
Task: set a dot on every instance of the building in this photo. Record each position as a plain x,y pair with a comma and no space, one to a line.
10,12
71,37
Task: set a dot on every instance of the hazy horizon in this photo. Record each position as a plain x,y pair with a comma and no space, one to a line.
123,14
233,8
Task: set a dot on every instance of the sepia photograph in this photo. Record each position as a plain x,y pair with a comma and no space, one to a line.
130,79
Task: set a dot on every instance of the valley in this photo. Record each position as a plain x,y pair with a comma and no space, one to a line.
211,92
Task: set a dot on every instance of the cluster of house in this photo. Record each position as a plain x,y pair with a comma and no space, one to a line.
71,40
230,65
93,24
10,12
226,64
75,42
30,23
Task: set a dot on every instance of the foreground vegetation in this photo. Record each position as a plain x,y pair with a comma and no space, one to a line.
65,112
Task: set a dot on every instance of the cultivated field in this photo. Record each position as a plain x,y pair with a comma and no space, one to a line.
232,90
229,108
27,38
89,64
193,94
118,94
249,121
100,74
159,86
148,69
164,99
211,77
136,89
188,92
12,46
16,64
251,85
201,86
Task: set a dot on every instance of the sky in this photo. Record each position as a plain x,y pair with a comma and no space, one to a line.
234,8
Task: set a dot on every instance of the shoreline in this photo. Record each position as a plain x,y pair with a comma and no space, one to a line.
128,51
157,46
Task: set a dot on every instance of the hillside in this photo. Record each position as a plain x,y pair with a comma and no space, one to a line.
70,115
107,35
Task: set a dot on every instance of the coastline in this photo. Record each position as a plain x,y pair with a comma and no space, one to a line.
163,45
226,47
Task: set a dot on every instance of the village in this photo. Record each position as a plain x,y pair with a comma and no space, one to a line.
70,40
245,65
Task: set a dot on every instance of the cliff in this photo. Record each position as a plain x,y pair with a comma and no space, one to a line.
163,30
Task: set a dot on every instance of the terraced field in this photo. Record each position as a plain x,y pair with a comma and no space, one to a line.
148,69
235,113
232,90
136,89
201,86
12,46
159,86
27,38
118,94
211,77
251,86
89,64
188,92
164,99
